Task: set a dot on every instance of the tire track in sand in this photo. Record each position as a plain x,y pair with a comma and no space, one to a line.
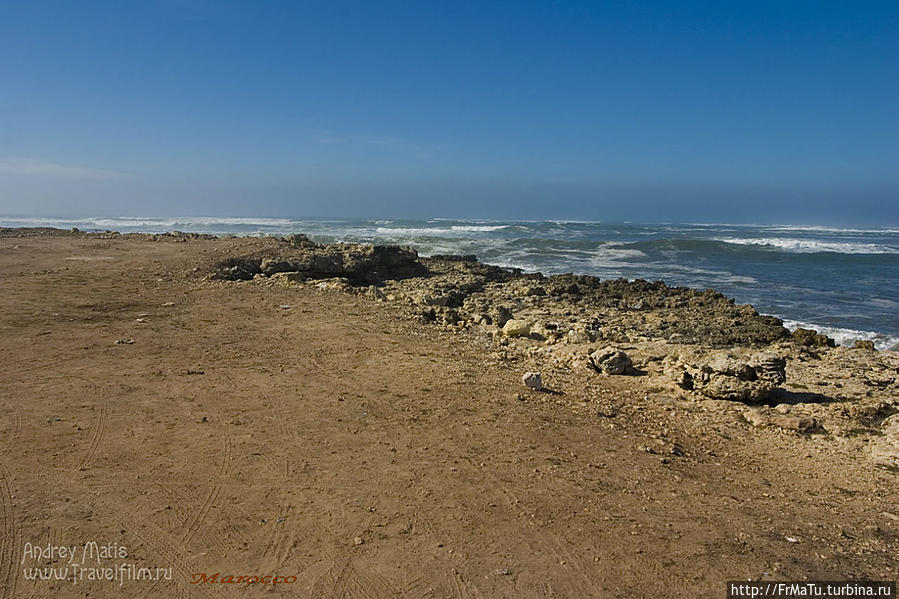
10,440
213,494
346,581
9,571
97,435
9,534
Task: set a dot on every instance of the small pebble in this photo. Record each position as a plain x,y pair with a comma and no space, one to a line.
532,380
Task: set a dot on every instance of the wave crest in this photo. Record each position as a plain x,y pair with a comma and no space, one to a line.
812,246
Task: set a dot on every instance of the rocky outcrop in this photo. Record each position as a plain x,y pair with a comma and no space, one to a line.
236,269
810,338
356,262
359,263
734,375
703,341
459,290
611,360
886,450
800,424
584,309
287,278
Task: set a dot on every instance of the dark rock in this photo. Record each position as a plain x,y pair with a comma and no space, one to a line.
237,269
500,315
357,262
455,257
810,338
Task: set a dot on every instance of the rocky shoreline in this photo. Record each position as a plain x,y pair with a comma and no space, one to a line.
699,345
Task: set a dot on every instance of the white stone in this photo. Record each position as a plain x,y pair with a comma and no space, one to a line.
533,380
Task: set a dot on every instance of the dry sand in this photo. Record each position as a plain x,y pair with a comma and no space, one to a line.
361,454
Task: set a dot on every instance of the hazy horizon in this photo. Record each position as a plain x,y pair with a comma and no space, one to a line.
760,112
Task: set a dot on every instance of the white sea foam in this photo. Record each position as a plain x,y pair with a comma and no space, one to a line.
612,257
411,231
821,229
142,223
476,228
457,230
847,337
812,246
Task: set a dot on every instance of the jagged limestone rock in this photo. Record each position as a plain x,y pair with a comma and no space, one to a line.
611,360
731,375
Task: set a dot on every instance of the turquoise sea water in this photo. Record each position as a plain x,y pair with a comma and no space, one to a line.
841,281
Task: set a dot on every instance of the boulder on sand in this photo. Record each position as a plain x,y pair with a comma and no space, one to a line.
732,375
516,328
533,380
611,360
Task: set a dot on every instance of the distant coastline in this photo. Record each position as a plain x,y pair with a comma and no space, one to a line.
840,281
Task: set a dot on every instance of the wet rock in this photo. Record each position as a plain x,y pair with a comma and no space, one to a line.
611,360
298,240
455,257
810,338
532,380
862,344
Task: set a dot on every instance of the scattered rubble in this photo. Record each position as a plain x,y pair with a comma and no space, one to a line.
700,344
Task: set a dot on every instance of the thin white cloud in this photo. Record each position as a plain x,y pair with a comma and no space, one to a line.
38,168
329,139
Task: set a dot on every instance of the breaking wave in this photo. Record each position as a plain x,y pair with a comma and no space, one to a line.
812,246
847,337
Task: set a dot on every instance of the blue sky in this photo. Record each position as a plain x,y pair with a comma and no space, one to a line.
713,111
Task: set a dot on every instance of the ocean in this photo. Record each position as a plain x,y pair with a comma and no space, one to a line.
840,281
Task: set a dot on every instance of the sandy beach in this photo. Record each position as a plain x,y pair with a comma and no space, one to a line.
317,437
